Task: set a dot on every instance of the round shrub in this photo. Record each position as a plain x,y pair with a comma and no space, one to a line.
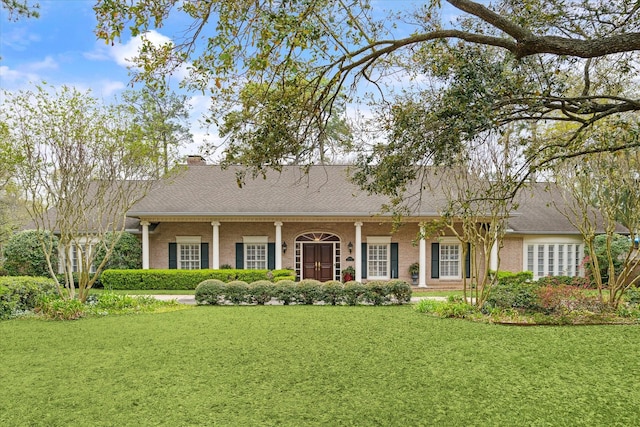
309,291
19,294
261,291
24,255
400,291
237,292
376,292
353,292
210,291
333,292
126,255
285,291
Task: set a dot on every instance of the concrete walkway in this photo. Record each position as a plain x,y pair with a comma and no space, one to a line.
191,300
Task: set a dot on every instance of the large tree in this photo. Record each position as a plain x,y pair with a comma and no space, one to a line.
163,118
496,65
83,166
602,199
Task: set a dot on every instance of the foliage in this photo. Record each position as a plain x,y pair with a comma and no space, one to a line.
285,291
353,292
376,292
602,194
400,290
563,299
56,308
309,291
181,279
414,268
17,9
332,292
237,292
24,254
513,291
210,291
83,165
20,294
261,291
576,281
616,249
163,117
495,65
126,254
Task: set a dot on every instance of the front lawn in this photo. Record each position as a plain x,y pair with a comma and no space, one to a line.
314,365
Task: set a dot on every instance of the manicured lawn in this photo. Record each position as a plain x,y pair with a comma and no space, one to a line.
300,365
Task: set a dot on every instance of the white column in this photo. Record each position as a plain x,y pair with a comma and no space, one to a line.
358,277
278,225
145,244
493,264
422,274
215,250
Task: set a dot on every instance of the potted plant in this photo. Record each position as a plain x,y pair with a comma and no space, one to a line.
348,274
414,270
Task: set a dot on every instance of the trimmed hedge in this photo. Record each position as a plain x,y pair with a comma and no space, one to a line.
183,279
306,292
21,293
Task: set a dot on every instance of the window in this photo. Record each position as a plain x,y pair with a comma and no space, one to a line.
188,252
378,257
449,260
553,259
255,252
79,254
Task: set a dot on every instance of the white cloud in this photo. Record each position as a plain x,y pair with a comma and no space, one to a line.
18,39
12,78
124,54
47,63
109,87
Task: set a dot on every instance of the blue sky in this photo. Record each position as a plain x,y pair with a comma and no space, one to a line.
60,48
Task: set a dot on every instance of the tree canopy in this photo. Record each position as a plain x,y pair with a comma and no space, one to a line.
528,62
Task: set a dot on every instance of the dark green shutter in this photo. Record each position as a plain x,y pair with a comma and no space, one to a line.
239,256
271,256
173,255
467,261
394,260
364,260
204,255
435,260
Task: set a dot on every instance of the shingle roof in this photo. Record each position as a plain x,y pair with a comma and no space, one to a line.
209,190
324,191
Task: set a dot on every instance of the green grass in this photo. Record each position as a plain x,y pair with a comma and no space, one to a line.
300,365
427,293
146,292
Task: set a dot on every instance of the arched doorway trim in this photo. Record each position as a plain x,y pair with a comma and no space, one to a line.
317,256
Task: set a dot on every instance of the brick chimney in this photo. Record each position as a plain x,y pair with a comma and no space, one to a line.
196,160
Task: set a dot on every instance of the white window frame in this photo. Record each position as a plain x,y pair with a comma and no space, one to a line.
251,246
563,260
382,264
193,245
87,244
453,243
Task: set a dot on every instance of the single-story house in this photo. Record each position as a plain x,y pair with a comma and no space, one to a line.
318,223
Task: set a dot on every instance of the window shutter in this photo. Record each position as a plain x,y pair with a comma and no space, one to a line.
364,260
239,256
173,255
394,260
271,256
435,260
204,255
467,262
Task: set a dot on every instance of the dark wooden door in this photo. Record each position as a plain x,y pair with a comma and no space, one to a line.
317,261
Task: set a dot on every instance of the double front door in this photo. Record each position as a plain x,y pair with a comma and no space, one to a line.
317,261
